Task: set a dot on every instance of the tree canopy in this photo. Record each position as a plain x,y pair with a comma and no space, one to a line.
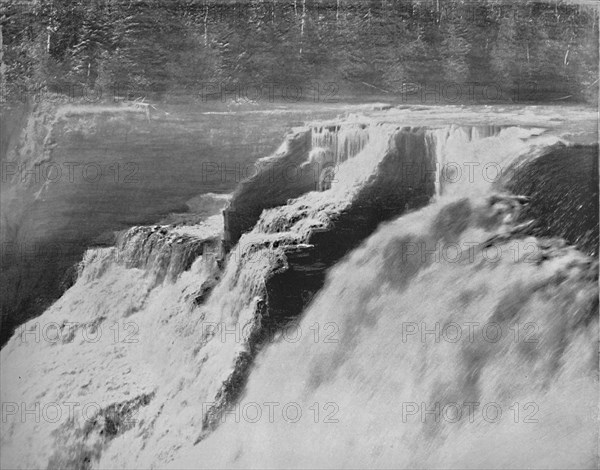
162,48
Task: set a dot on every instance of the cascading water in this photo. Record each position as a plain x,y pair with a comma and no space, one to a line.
345,141
441,342
450,139
483,361
179,333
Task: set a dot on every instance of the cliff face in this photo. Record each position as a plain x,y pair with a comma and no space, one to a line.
280,177
40,246
26,142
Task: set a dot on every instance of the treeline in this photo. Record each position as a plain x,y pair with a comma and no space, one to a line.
160,47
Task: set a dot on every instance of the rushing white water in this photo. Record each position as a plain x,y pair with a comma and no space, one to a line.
369,363
447,144
429,348
177,333
345,141
104,343
470,158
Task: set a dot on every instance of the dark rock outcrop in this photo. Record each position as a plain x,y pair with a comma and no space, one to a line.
278,179
562,186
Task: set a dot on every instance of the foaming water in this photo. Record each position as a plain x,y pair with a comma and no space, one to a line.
103,345
344,141
363,395
378,340
470,158
455,344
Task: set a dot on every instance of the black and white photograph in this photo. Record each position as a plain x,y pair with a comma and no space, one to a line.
299,234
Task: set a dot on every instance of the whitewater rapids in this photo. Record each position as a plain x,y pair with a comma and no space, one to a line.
402,347
172,355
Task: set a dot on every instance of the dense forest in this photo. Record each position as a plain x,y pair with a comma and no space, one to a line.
531,51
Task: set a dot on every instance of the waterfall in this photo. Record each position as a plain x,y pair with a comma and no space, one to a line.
434,343
320,303
323,156
344,141
413,356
